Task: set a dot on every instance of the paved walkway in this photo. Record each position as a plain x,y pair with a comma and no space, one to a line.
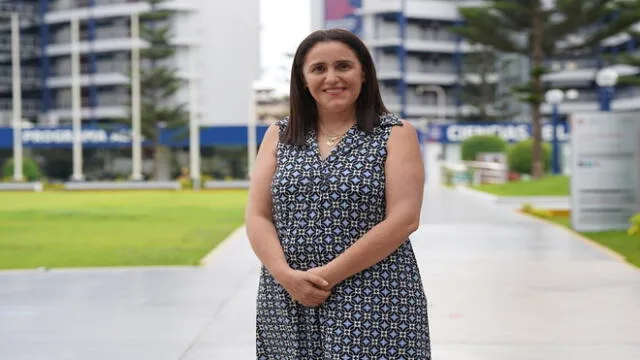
501,286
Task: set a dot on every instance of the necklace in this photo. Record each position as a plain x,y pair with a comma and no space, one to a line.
331,140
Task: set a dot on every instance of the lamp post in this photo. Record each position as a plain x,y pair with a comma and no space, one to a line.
554,97
606,79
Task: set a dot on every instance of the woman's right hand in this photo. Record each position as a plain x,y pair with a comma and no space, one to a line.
304,287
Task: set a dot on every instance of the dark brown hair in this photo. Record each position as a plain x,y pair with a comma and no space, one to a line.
303,113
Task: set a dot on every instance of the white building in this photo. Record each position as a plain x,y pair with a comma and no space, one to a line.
222,37
416,55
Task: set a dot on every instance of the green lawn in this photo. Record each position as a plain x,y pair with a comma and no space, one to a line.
83,229
546,186
617,241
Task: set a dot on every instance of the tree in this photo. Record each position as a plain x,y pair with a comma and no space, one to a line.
159,80
530,28
479,88
631,60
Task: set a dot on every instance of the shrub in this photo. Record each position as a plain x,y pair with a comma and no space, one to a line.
30,169
520,154
474,145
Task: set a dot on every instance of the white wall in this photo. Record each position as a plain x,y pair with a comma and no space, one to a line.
228,59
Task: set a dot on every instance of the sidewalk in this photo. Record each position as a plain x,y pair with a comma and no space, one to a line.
501,286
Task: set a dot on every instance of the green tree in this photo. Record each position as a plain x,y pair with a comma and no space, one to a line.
540,32
159,80
479,88
632,60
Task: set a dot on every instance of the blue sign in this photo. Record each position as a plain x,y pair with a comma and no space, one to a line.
511,132
120,137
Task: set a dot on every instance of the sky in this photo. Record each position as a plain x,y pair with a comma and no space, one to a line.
284,23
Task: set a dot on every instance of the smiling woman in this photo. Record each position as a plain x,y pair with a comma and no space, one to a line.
335,194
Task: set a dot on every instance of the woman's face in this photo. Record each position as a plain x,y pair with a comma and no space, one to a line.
334,76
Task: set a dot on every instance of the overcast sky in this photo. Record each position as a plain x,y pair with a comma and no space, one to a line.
284,24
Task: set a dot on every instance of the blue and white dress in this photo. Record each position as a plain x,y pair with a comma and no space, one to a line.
320,208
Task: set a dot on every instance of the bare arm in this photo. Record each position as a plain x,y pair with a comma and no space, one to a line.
404,189
259,222
262,234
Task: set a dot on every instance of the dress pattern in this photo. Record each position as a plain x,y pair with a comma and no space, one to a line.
320,208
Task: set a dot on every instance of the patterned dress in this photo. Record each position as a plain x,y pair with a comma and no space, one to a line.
320,208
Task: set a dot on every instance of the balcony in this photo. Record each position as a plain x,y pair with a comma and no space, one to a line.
103,79
63,11
97,46
623,100
440,10
583,73
103,112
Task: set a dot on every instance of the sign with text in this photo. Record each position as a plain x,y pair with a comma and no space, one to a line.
120,137
511,132
605,175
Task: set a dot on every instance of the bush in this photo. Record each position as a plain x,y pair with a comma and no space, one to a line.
519,157
474,145
30,169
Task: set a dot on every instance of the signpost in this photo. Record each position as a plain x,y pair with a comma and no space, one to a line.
605,181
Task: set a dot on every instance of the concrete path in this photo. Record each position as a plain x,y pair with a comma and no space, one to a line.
501,286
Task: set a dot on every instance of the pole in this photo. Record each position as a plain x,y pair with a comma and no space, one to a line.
76,115
607,95
17,98
555,151
194,124
252,141
136,141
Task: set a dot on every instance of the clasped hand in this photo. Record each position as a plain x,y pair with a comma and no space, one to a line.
308,288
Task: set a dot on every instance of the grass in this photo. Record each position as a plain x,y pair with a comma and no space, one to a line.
546,186
86,229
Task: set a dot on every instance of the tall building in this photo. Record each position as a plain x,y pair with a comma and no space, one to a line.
30,50
418,57
216,47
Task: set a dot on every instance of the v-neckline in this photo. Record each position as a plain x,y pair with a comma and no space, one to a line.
313,137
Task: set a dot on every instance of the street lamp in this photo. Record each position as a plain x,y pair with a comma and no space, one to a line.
554,97
606,79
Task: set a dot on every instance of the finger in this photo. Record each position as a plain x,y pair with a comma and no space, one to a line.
317,280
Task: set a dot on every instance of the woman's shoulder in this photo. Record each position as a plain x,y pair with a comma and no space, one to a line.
282,123
390,120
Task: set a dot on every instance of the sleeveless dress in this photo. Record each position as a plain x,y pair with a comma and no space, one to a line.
320,208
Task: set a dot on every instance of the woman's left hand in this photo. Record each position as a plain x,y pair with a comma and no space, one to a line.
323,273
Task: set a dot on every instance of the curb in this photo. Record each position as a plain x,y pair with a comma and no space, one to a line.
546,202
614,255
237,233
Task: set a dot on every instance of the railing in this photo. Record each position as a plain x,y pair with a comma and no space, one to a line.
474,173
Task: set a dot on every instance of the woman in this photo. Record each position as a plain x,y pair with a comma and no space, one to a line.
335,194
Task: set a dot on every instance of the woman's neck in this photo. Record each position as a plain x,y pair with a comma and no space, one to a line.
332,122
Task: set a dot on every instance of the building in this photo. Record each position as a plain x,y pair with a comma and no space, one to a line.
216,48
418,58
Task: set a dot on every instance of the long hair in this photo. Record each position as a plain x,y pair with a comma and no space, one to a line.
303,112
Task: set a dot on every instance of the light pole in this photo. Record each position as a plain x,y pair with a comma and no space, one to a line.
606,79
554,97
